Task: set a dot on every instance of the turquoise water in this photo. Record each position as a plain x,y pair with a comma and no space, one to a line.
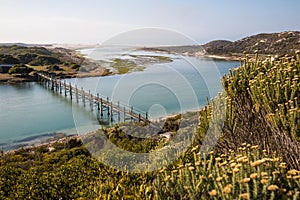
29,113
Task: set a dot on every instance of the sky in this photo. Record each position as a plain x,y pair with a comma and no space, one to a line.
97,21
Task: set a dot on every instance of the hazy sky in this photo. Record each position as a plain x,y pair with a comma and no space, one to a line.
95,21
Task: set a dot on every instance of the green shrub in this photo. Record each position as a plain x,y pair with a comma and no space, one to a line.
44,60
20,69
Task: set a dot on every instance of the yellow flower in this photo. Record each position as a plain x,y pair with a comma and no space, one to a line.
162,170
180,166
275,172
264,151
245,180
238,165
282,165
290,193
223,163
292,172
254,147
225,176
227,189
257,163
296,177
197,163
264,174
242,159
235,170
263,181
187,187
191,168
253,176
245,196
232,164
188,164
212,193
167,178
218,159
195,148
239,155
273,187
210,176
175,171
219,179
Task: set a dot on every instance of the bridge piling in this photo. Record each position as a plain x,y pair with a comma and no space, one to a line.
83,96
76,93
98,108
65,88
70,90
101,111
108,113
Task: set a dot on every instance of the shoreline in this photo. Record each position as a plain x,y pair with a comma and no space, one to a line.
61,137
200,55
49,144
6,79
222,57
140,64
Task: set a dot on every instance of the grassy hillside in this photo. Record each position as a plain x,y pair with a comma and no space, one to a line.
256,157
39,55
265,43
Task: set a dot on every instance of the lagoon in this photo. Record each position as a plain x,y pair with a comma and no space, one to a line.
30,113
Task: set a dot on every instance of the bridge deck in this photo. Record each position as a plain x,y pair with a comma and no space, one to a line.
58,84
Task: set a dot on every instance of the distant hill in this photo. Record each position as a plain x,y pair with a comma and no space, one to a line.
25,45
37,55
216,46
266,43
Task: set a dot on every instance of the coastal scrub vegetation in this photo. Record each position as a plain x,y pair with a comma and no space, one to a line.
20,69
41,58
256,156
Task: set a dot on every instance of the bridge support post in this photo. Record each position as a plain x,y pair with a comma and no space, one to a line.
108,113
101,111
59,86
52,83
118,111
131,111
98,108
92,102
65,88
70,90
111,111
83,97
76,93
124,114
56,86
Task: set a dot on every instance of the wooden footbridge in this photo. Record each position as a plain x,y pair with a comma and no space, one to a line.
96,102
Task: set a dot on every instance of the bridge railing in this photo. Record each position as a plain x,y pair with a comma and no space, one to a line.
115,105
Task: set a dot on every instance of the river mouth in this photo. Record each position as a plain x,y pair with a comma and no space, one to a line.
31,114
